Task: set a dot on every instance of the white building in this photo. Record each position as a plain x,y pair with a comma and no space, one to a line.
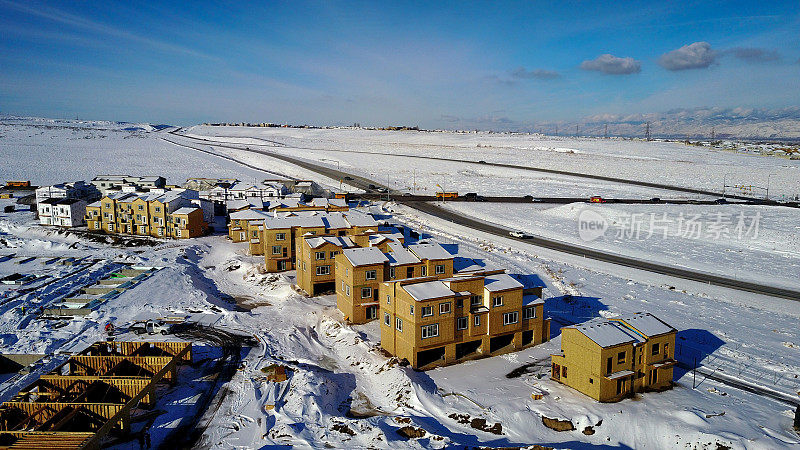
243,191
62,212
76,189
110,183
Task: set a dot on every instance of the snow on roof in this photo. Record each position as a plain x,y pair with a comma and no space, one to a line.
249,214
94,204
364,256
359,219
293,221
501,282
317,241
647,324
335,221
532,300
606,333
50,201
185,210
150,178
428,290
399,255
430,251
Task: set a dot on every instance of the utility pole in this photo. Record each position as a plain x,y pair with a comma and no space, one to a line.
713,133
605,134
576,130
556,130
647,132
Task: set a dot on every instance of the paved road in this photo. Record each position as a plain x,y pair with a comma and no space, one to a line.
436,211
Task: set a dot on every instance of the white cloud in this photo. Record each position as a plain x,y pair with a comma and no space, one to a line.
613,65
698,55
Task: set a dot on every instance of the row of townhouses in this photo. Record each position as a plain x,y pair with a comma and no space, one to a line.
267,190
108,184
177,214
436,308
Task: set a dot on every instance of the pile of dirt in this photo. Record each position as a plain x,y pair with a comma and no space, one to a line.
558,425
275,373
410,432
477,423
344,429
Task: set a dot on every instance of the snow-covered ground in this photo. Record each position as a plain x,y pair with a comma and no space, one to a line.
342,392
669,163
748,242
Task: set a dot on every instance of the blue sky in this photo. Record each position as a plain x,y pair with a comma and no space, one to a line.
451,65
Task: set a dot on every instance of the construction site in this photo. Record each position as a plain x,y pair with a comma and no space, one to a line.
93,397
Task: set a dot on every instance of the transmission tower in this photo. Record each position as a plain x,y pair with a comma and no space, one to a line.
647,132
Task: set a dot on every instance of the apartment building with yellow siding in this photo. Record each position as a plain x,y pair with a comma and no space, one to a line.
359,273
610,359
147,213
282,233
316,262
432,322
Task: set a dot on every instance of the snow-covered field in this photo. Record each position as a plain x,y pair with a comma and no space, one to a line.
342,392
660,162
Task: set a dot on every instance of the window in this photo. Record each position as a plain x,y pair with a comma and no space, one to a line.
429,331
255,232
347,271
424,271
511,317
666,349
158,209
372,312
564,371
323,270
398,323
497,301
591,381
461,323
366,292
655,348
277,249
141,207
319,256
459,303
280,236
333,255
347,289
178,232
477,321
529,313
620,357
343,285
391,272
476,300
387,320
444,308
411,310
371,275
427,311
609,363
304,266
108,205
388,299
439,269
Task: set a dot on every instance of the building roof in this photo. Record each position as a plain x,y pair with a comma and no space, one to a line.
501,282
50,201
428,290
318,241
364,256
359,219
185,210
430,251
94,204
606,333
151,178
333,221
248,214
399,255
532,300
69,201
279,222
647,324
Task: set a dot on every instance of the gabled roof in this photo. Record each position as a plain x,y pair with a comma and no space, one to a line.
335,221
318,241
278,222
428,290
399,255
501,282
606,333
94,204
364,256
430,251
647,324
359,219
248,214
185,210
532,300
